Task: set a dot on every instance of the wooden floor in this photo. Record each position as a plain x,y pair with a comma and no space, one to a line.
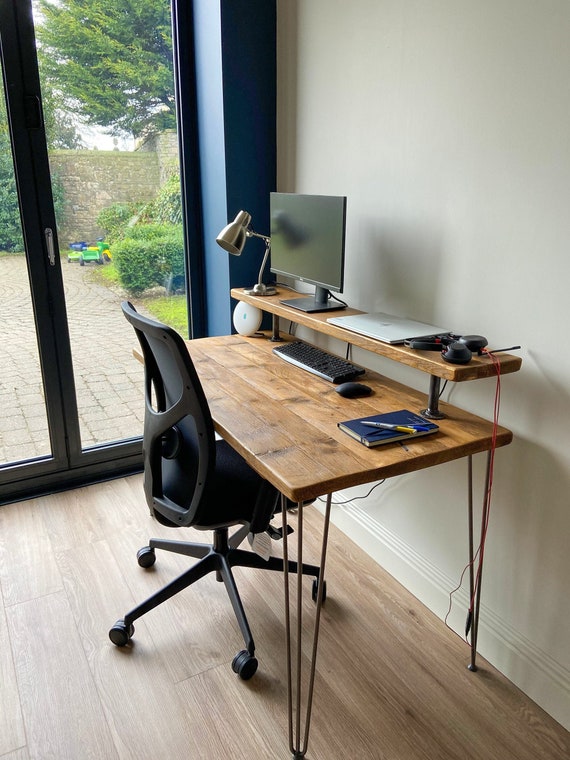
392,682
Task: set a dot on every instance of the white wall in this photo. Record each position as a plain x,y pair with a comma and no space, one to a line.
447,125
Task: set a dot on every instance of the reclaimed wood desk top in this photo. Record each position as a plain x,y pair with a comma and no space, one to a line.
283,421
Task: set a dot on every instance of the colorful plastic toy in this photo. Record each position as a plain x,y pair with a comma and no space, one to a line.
82,252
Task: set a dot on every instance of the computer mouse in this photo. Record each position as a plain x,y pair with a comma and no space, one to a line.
353,390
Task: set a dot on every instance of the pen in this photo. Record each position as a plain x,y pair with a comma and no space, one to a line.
399,428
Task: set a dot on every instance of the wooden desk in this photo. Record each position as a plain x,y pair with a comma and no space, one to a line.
283,421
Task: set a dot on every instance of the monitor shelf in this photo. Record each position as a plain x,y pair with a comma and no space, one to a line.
429,362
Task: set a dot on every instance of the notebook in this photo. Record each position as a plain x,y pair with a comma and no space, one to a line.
370,436
386,327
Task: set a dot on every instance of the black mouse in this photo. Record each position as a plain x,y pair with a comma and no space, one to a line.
353,390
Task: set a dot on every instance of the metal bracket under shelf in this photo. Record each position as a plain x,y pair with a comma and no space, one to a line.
433,411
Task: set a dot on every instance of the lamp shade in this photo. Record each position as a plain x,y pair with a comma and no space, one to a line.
233,239
234,235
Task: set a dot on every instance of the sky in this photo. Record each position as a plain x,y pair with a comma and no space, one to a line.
96,138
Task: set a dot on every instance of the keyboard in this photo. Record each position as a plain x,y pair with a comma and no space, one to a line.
318,362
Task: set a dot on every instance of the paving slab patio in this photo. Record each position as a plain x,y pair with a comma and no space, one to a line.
109,381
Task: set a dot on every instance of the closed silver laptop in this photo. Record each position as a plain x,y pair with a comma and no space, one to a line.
386,327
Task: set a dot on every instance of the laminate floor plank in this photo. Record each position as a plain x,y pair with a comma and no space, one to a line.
27,565
61,707
18,754
12,734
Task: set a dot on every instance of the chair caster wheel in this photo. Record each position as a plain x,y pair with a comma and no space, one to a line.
146,557
315,591
244,664
120,635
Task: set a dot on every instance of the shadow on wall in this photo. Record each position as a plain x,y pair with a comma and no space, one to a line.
539,555
287,98
402,272
538,480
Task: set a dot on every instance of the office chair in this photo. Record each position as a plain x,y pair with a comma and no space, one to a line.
192,479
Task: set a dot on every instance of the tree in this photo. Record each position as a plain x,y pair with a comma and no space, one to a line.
10,227
110,62
11,238
60,132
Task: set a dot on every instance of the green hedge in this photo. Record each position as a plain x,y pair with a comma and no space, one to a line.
150,255
115,219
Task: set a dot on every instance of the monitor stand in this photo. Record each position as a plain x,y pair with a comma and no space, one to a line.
310,305
319,302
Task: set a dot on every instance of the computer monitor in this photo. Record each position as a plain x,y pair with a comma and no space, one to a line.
307,244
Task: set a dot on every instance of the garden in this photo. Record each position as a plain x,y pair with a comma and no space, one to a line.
146,254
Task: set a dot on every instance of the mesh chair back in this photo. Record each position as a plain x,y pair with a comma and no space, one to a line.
179,446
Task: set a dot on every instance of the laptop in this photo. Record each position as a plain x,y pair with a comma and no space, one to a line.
386,327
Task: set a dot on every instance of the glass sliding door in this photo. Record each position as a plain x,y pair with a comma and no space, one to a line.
89,163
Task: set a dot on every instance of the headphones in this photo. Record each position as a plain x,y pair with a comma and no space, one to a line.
456,349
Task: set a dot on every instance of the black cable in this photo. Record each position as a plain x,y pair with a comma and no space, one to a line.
285,285
500,350
336,298
356,498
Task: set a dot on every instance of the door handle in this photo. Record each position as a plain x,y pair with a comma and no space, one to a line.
50,246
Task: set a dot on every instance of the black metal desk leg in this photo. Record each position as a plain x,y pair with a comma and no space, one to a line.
275,335
432,411
298,739
475,577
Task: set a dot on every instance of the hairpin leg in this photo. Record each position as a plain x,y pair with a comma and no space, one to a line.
475,578
298,740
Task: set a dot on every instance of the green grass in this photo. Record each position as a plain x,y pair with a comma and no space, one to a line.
171,310
106,275
168,309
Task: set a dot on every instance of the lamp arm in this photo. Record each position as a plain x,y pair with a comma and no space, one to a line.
267,241
264,262
251,233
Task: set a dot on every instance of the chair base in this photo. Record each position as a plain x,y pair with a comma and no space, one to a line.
220,557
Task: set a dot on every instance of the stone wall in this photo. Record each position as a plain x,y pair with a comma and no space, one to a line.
94,179
165,145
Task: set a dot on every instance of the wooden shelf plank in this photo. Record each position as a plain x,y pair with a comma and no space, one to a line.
425,361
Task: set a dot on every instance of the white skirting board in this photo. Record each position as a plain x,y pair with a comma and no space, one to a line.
531,669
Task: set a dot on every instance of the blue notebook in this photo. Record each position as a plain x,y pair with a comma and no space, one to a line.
373,436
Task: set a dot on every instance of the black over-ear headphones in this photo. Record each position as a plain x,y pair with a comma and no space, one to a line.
456,349
462,349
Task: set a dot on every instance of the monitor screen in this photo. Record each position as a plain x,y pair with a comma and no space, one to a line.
307,243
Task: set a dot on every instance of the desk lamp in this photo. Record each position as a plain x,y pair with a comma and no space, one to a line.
233,239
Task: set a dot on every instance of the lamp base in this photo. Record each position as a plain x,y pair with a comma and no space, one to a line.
260,290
